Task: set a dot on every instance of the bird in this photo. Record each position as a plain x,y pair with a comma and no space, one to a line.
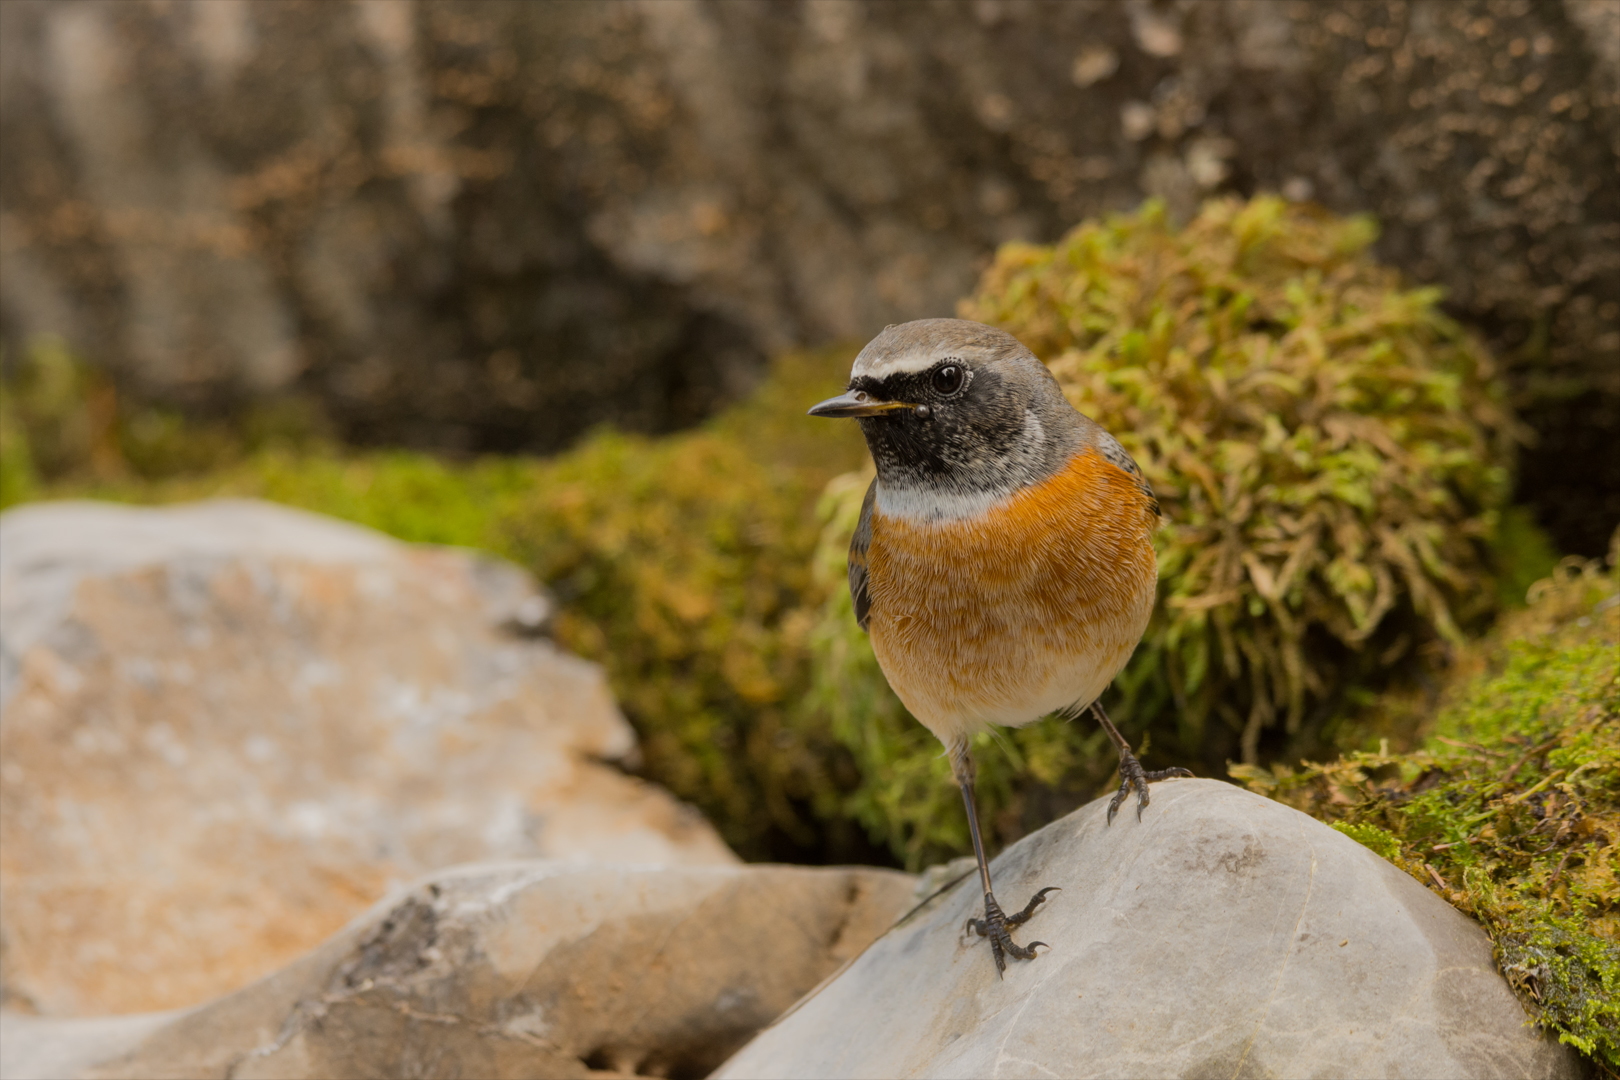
1003,564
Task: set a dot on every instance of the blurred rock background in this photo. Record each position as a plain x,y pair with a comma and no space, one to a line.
375,259
488,226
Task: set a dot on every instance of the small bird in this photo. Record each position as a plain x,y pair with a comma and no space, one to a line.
1003,563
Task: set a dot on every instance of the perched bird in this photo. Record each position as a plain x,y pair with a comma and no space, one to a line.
1004,562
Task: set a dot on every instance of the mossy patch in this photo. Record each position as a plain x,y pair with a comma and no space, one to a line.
1510,808
1379,841
684,565
1332,453
1333,457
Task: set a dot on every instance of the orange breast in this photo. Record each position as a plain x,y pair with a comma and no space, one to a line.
1029,608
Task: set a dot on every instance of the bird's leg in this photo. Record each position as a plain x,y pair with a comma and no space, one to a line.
1131,773
996,923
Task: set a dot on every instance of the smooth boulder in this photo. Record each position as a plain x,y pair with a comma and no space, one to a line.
230,727
517,970
1222,935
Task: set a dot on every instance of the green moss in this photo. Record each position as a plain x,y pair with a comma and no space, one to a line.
18,479
1510,808
1523,555
1333,458
66,429
1371,837
1333,455
684,565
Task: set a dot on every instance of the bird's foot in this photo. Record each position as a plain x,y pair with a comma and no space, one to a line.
1132,775
996,925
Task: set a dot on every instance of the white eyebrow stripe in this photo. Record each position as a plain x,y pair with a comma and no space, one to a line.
911,363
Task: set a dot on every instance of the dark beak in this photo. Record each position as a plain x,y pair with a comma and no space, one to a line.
856,403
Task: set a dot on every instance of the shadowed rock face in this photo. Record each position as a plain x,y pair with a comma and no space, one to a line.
1222,935
492,225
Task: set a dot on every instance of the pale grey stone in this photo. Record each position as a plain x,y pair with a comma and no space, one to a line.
1223,935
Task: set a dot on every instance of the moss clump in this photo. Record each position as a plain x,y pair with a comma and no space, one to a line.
684,565
1379,841
1332,453
1333,460
18,478
1511,807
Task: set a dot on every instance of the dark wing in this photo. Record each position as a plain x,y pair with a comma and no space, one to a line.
1109,448
857,558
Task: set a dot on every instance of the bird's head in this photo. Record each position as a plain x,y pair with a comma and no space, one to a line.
957,415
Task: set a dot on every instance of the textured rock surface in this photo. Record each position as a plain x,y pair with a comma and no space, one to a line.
518,970
1224,935
496,224
229,727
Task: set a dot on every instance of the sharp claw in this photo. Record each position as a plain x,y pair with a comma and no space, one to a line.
996,926
1135,778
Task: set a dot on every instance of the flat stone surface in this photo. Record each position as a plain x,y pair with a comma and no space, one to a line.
230,727
517,970
1223,935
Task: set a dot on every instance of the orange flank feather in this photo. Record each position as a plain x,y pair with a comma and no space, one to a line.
1027,609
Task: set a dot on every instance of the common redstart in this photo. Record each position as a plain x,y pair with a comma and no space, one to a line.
1004,561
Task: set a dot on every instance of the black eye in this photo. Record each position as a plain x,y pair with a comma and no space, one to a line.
948,379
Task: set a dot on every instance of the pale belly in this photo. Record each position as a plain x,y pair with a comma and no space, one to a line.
1032,609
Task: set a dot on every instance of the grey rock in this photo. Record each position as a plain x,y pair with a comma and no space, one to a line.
53,1048
515,970
229,727
1223,935
48,550
493,225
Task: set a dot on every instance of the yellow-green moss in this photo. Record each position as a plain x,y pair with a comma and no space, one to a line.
684,565
1333,459
1331,452
1511,807
18,478
1371,837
